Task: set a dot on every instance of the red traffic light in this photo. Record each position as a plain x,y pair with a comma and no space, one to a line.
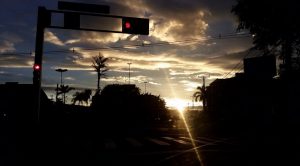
37,67
138,26
127,25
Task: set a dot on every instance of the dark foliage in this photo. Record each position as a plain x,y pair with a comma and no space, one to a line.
273,24
123,105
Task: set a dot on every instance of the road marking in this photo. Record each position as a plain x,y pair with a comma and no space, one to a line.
177,140
199,141
109,144
134,142
159,142
219,140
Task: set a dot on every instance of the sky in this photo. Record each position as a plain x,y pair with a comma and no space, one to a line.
188,39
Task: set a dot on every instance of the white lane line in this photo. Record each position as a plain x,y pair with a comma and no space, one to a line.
134,142
109,144
177,140
222,140
198,141
159,142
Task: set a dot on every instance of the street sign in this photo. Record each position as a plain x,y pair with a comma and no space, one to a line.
83,7
72,20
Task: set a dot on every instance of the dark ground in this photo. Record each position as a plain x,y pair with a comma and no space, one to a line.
80,139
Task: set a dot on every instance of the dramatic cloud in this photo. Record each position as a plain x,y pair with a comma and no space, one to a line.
6,46
16,61
52,38
187,40
8,41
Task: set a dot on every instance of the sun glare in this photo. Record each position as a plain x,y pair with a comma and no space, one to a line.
176,103
180,105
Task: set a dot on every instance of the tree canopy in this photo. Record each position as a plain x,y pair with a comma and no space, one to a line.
124,104
99,63
272,23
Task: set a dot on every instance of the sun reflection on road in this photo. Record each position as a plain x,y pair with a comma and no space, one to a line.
180,105
191,137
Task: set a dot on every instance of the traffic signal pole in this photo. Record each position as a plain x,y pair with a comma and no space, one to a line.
72,12
37,74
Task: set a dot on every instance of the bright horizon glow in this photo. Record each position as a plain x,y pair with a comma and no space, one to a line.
177,103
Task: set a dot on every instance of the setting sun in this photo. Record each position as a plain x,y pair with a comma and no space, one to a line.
176,103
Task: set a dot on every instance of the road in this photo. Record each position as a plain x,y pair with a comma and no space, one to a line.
155,148
150,149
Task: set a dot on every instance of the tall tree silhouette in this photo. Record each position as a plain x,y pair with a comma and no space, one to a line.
63,89
273,23
100,66
201,95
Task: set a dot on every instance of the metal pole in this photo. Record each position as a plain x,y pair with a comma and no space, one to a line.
129,71
61,71
204,98
60,78
145,86
56,93
37,75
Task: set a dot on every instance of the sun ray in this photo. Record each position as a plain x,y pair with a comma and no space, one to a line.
191,137
180,106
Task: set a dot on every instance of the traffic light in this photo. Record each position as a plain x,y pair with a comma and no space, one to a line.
135,26
36,67
36,74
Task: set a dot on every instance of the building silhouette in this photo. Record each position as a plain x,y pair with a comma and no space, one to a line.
256,97
17,103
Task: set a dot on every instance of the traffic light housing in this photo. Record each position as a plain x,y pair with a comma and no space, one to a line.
37,67
138,26
36,73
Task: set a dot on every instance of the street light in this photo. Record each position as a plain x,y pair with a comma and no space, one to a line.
61,71
145,86
129,71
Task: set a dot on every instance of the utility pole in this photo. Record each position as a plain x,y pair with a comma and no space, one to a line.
203,79
129,71
204,90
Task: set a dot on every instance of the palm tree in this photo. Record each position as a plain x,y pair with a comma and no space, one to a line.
82,97
201,94
63,89
100,66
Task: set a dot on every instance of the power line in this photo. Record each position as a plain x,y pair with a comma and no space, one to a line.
237,68
188,41
15,53
238,64
227,36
